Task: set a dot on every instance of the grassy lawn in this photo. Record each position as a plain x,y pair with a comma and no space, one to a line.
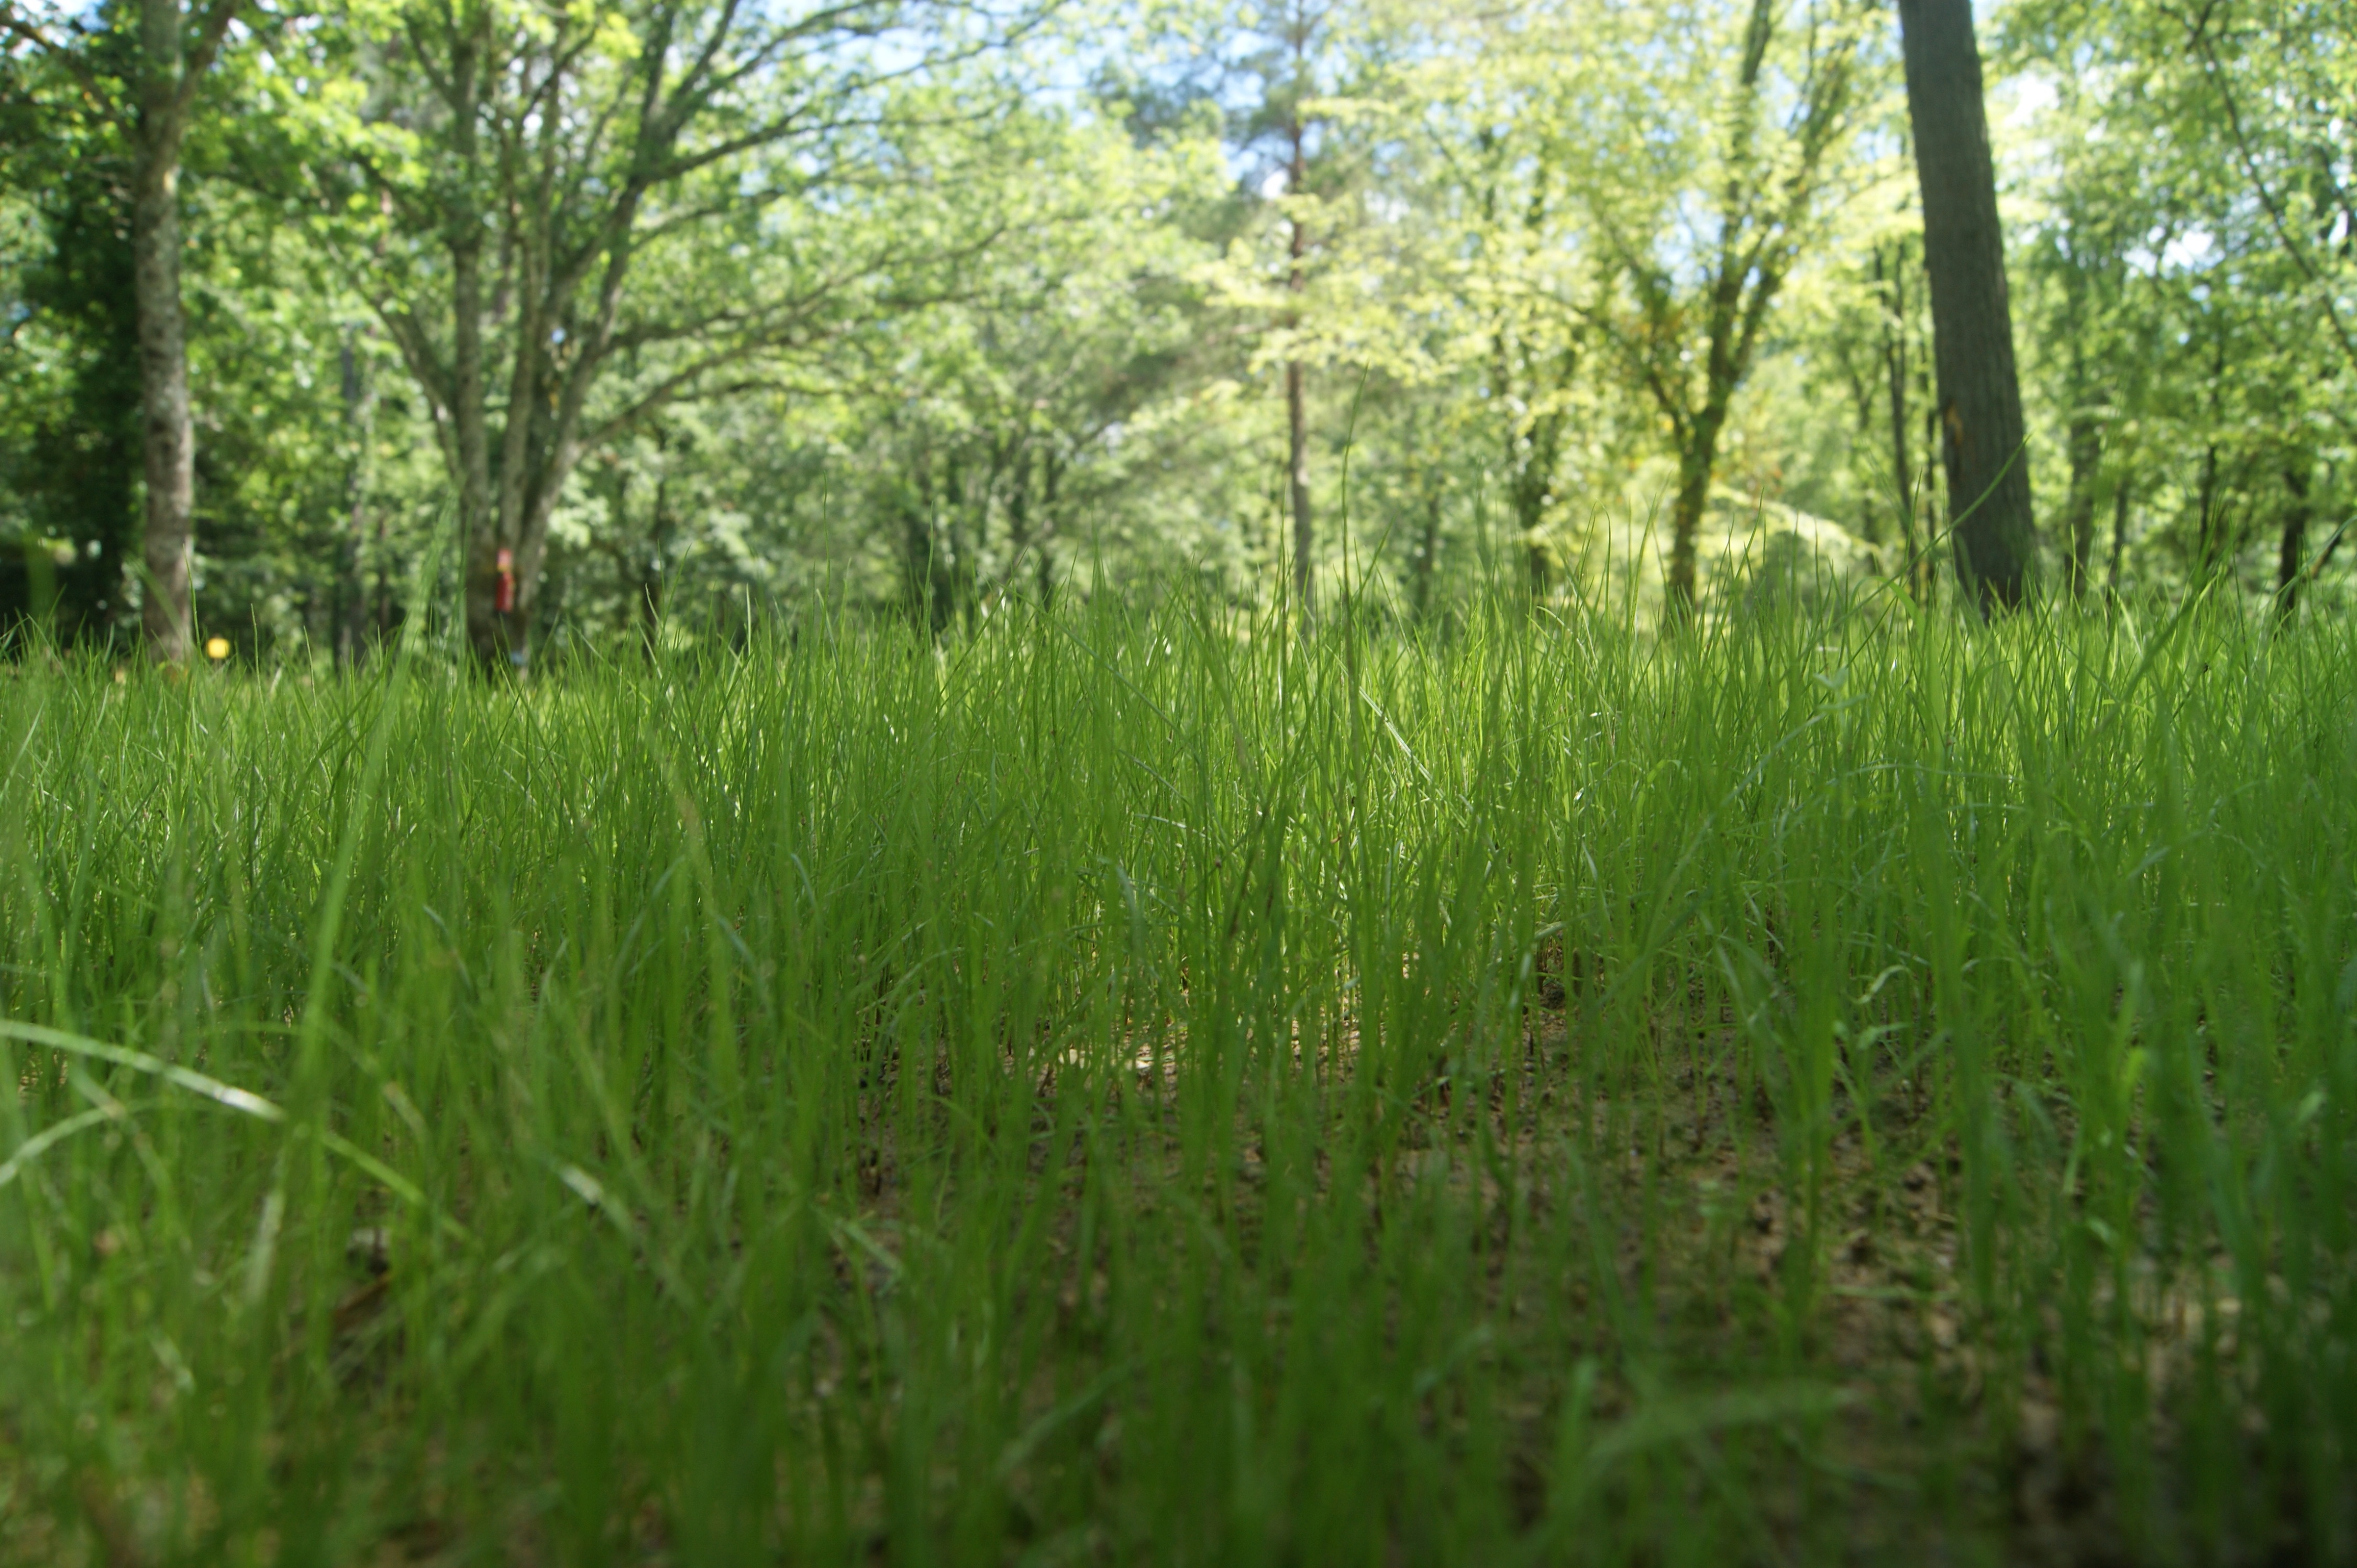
1137,1088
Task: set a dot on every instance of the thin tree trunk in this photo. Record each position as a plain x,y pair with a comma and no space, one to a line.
1019,514
1296,429
167,433
381,615
2206,510
1972,327
2292,556
2086,448
629,576
351,588
917,550
1297,413
1427,550
926,561
1863,397
977,510
1894,359
1055,469
2121,496
651,581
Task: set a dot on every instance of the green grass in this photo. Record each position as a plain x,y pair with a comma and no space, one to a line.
1139,1089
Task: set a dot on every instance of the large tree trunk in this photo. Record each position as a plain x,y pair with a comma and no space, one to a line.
167,433
1972,326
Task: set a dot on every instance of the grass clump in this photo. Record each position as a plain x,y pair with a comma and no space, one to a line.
1152,1089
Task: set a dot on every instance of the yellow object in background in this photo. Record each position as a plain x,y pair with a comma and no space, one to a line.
217,649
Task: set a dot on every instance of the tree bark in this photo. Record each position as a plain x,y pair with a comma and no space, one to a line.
1972,327
167,433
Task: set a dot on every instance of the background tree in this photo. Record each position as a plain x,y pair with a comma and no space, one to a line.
148,88
2186,364
570,194
69,431
1282,131
1983,439
1697,277
2279,76
705,314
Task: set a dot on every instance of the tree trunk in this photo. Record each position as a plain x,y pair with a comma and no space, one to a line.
651,581
167,433
1427,550
1296,428
1744,282
1055,469
1297,413
1894,363
1018,515
1902,466
2086,445
2121,498
352,586
2293,555
2207,509
1296,425
1531,461
925,564
488,627
1697,459
1972,327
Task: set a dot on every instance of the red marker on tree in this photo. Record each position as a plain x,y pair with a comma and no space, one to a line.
504,597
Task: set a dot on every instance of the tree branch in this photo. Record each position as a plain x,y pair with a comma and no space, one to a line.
2213,72
92,85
